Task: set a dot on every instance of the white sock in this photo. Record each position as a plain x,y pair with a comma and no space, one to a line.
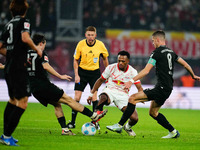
127,126
174,131
93,115
6,137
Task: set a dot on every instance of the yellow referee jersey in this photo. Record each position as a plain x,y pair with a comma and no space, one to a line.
90,54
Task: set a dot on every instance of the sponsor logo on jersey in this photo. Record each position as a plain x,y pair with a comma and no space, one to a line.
118,82
46,58
26,25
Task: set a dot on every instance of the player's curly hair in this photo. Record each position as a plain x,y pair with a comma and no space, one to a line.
124,53
18,7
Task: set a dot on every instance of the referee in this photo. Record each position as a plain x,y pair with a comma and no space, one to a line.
88,51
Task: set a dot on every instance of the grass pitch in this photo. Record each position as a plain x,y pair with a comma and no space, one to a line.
39,130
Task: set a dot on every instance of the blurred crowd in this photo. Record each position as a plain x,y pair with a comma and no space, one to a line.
42,13
173,15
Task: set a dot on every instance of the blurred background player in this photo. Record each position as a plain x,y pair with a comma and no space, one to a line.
115,76
164,59
46,92
87,71
16,39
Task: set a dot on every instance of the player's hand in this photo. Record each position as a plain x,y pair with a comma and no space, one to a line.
196,78
128,85
89,100
2,66
77,79
65,77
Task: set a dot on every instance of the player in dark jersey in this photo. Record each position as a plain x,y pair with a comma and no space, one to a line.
16,39
163,58
48,93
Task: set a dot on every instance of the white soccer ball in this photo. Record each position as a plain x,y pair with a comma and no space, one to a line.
88,129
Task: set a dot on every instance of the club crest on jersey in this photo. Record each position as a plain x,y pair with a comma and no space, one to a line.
46,58
26,25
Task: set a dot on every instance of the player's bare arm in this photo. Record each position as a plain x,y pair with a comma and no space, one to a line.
139,87
97,84
52,71
105,61
77,78
3,50
188,68
140,75
27,39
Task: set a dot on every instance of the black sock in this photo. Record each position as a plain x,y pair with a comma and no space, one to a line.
100,106
62,122
8,110
74,114
87,112
127,113
163,122
14,120
94,103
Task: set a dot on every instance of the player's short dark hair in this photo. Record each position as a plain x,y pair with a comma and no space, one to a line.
91,28
18,7
38,38
124,53
159,33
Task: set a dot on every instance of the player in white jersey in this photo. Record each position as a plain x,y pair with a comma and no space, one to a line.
115,76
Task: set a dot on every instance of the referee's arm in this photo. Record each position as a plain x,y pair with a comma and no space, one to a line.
105,61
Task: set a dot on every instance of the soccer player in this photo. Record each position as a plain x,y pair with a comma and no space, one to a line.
16,39
115,76
48,93
164,59
88,51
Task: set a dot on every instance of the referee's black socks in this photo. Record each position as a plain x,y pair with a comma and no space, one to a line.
127,113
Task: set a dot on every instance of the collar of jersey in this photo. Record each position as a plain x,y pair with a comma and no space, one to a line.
121,70
90,45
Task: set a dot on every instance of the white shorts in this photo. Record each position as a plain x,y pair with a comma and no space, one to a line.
120,99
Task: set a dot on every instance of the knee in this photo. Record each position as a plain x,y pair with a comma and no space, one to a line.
132,99
152,114
103,99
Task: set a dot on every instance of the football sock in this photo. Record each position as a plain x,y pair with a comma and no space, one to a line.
14,120
8,110
127,113
94,103
100,105
87,112
74,114
163,122
62,122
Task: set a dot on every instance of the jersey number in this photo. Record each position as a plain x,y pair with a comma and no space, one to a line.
169,58
10,38
32,57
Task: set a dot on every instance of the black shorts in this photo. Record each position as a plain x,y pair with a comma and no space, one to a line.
158,94
17,82
50,93
86,77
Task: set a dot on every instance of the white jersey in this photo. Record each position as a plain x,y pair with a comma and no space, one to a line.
116,77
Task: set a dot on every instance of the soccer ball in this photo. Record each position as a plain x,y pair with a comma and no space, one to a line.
88,129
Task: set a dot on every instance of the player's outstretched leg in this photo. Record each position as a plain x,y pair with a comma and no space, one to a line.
115,128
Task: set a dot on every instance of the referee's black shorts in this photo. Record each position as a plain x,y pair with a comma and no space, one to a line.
158,94
50,93
86,76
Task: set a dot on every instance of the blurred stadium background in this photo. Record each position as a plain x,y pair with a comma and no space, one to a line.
121,24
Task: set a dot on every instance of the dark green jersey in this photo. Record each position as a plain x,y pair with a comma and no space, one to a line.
164,59
37,74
